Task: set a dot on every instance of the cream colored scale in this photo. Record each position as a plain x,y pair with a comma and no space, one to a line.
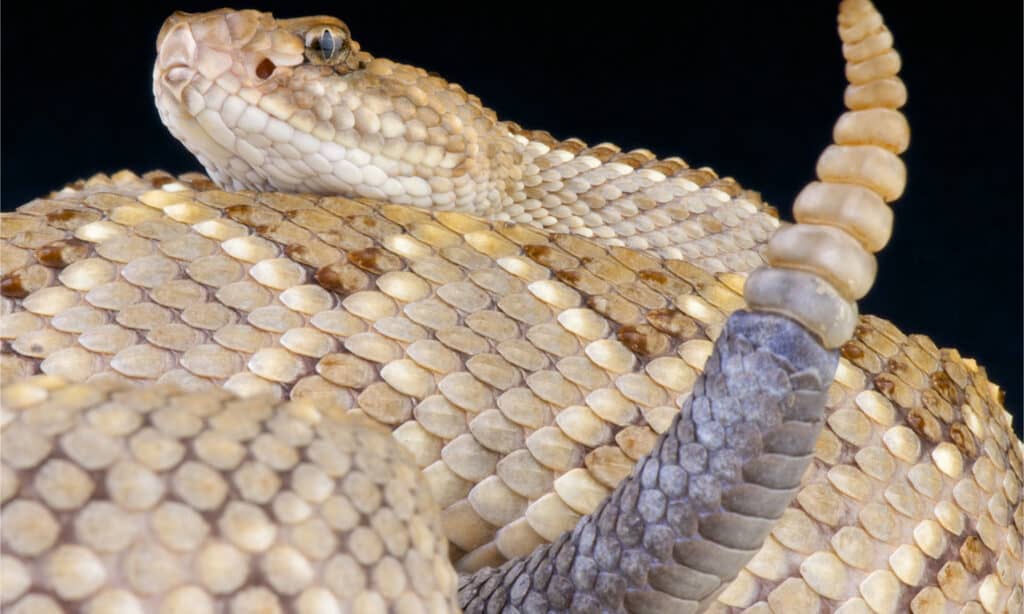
218,341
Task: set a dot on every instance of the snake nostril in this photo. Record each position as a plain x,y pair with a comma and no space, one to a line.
265,68
176,46
177,75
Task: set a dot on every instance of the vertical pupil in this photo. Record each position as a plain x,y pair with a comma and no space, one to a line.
327,45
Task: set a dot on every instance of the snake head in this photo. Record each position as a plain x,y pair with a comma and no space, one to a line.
248,49
295,105
209,64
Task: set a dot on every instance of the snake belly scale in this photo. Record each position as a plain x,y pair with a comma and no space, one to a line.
393,354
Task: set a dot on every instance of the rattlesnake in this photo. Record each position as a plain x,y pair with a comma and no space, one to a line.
524,363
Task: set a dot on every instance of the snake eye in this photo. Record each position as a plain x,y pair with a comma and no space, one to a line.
327,45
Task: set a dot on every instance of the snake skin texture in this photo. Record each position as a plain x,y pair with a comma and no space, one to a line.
518,359
548,365
313,506
671,537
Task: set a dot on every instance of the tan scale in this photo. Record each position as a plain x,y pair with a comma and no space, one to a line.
528,431
913,454
194,550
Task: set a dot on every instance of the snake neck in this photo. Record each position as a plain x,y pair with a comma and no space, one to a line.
370,127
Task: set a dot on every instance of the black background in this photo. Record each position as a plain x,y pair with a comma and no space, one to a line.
749,88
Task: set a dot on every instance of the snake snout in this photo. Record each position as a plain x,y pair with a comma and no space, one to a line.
177,47
176,55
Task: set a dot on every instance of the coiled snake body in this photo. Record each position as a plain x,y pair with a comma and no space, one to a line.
195,380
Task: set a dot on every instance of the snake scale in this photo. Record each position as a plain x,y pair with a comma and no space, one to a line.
393,354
